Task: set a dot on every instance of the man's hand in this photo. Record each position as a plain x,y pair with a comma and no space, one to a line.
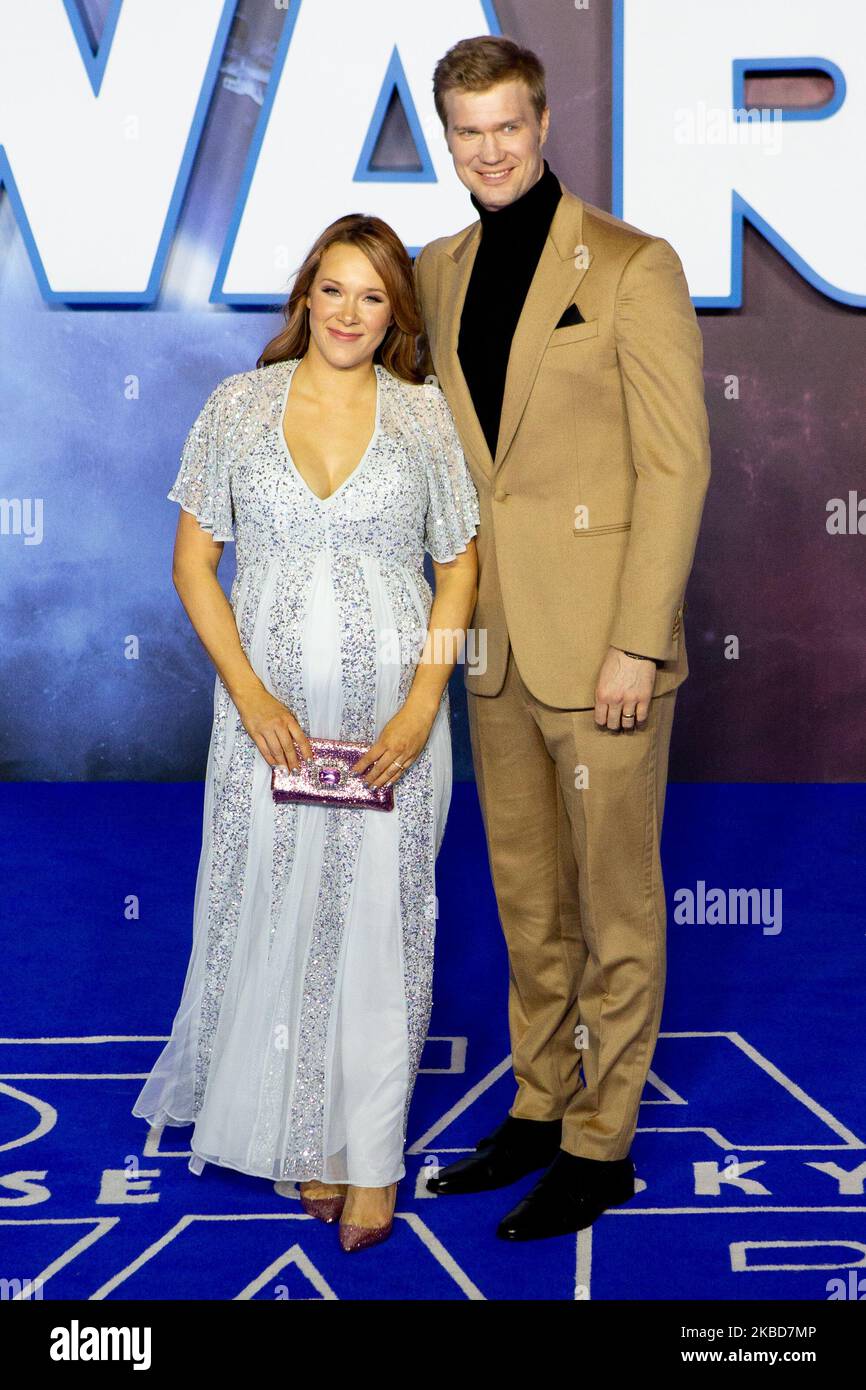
623,690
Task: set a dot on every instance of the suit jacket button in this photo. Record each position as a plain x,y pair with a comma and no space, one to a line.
500,494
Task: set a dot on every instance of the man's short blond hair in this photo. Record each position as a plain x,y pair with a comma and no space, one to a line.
476,65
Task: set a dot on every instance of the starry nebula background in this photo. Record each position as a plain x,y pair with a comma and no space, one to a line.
103,677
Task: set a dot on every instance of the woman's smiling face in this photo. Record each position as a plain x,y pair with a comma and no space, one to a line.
350,311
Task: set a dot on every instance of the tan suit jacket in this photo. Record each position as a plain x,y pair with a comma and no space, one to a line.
591,508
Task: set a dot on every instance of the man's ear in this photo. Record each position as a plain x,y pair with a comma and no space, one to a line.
545,125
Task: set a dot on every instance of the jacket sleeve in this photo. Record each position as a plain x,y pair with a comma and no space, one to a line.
425,361
416,271
660,352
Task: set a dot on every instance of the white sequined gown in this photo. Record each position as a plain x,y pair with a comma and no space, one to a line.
296,1043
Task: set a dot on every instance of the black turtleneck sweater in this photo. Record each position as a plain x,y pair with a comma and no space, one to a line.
512,239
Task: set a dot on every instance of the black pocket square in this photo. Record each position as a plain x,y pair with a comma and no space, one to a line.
571,316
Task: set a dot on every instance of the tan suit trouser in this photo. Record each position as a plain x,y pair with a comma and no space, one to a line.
577,876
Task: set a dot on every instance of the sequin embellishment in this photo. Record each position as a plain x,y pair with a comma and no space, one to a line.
413,493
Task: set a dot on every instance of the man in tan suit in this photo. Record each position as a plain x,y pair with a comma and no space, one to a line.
568,348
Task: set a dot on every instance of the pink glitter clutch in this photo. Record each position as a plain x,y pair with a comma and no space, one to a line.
326,781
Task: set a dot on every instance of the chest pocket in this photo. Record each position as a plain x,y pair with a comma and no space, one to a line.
575,333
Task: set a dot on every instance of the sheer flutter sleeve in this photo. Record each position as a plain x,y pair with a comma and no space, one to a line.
203,483
452,511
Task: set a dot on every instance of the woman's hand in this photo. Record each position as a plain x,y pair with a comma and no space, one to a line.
400,742
272,727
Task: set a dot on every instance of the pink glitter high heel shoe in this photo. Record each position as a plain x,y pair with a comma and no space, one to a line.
325,1209
354,1237
360,1237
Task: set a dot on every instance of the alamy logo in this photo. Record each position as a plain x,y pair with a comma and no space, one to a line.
77,1343
22,516
729,907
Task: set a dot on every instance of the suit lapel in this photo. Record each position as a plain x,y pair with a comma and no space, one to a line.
459,268
553,286
557,276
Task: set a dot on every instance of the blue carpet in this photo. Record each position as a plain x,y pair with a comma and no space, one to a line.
752,1118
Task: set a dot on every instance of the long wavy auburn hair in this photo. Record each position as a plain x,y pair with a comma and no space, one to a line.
400,351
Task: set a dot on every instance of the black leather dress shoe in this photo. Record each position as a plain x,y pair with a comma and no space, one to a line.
569,1197
515,1148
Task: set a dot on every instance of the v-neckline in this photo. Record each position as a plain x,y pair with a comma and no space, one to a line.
323,501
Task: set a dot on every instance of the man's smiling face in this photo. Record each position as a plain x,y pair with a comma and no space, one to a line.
495,140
